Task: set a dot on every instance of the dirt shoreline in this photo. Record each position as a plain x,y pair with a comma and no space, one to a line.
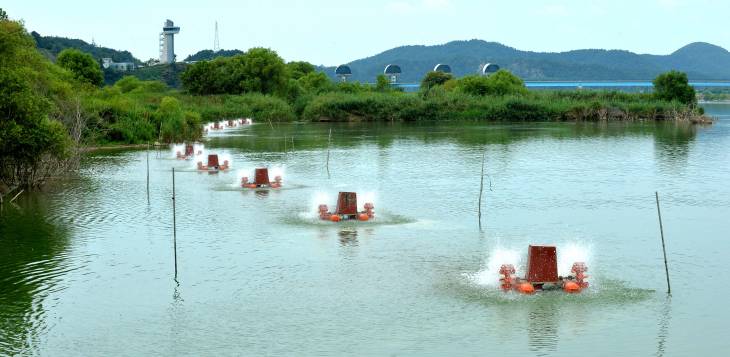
120,146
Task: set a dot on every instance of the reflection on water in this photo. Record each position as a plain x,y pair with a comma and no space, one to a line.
672,142
664,317
542,328
348,237
384,135
33,256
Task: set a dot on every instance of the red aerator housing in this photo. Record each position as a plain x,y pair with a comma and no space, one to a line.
542,273
347,209
261,180
347,203
189,152
213,165
542,264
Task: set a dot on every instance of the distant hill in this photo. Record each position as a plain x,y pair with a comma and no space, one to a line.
699,60
51,46
207,55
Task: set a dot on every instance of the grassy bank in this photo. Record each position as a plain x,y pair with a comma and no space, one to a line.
133,111
534,106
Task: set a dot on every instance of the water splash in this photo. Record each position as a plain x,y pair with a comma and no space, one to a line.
568,254
198,150
366,197
489,274
573,252
175,149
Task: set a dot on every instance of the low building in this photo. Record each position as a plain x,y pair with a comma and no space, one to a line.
108,63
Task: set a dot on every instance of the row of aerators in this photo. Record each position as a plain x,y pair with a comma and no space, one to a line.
542,261
346,208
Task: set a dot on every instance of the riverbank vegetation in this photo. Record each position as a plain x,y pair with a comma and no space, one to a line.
50,111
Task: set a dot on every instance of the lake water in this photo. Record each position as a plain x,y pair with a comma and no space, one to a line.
86,268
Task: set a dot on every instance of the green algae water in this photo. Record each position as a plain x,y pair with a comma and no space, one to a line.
86,267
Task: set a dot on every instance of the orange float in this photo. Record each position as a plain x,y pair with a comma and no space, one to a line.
542,272
347,209
525,288
571,287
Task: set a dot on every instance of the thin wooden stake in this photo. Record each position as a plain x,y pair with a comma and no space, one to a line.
664,248
481,189
329,143
148,173
174,223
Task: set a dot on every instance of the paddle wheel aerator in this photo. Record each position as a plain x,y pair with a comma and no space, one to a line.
347,209
542,273
261,180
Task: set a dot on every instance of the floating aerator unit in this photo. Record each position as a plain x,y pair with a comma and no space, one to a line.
213,166
189,153
261,180
542,273
347,209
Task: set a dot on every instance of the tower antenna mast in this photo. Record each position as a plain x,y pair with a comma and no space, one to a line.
216,41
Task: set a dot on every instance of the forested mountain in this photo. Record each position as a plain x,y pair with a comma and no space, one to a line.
207,55
699,60
51,46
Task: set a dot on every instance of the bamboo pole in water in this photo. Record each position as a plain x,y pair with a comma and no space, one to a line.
329,143
481,189
148,173
664,248
174,223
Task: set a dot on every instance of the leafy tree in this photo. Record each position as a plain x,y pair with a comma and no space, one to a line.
504,83
299,69
3,15
82,65
674,86
499,84
259,70
27,135
177,125
128,83
382,84
31,143
434,78
315,82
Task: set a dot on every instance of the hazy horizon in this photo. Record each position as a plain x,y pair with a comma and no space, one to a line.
330,33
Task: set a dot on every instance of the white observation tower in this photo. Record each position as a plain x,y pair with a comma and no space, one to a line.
167,42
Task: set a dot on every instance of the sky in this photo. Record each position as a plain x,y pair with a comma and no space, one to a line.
334,32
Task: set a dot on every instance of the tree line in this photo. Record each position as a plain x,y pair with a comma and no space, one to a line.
49,111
